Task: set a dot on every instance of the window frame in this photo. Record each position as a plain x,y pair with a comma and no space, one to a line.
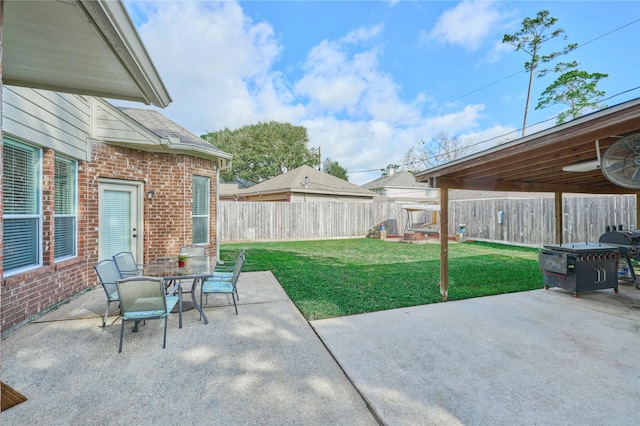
199,215
73,215
38,215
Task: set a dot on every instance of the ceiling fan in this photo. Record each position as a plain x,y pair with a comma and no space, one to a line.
620,163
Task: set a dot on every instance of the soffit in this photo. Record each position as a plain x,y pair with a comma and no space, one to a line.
82,47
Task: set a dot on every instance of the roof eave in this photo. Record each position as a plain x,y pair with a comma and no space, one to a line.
43,49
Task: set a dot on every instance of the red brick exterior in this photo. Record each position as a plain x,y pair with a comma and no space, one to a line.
167,222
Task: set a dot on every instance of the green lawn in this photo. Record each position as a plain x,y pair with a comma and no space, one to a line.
343,277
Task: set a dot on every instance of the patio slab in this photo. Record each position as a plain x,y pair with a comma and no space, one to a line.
265,366
533,358
539,357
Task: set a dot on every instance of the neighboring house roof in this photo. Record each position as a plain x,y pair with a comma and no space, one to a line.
243,183
228,190
149,130
396,180
308,180
82,47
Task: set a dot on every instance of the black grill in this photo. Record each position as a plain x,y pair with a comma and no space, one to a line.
628,242
579,267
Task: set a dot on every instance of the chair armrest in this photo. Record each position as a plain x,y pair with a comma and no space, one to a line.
224,267
176,286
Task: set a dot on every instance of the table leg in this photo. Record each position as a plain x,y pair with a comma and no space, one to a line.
195,303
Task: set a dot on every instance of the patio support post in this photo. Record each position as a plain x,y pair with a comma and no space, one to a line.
444,243
558,217
637,211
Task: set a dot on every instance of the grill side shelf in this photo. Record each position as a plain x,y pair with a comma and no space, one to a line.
553,261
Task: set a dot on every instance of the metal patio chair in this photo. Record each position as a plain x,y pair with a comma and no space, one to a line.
108,274
143,298
215,285
126,263
224,270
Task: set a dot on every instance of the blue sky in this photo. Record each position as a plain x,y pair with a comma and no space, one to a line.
372,79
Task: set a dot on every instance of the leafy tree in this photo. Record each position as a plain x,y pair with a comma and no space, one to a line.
264,150
386,171
574,88
440,150
535,32
333,168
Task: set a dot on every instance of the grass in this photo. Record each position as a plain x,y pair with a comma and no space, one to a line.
344,277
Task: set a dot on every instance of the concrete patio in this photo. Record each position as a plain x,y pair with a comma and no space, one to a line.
539,357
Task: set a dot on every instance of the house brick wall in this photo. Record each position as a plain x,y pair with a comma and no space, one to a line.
167,223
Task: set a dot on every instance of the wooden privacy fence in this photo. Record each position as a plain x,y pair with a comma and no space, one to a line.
531,220
526,221
257,221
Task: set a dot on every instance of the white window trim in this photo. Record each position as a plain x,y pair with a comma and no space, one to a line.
75,215
39,216
207,216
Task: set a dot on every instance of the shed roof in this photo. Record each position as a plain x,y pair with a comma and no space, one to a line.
306,179
534,163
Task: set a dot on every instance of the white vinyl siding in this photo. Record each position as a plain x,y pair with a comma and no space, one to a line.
22,214
59,121
66,201
200,210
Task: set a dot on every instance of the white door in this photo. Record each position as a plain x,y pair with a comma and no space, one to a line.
121,218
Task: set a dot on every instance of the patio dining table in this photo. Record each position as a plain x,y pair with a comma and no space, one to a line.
197,268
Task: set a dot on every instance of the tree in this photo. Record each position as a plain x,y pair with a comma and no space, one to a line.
333,168
530,39
440,150
264,150
574,88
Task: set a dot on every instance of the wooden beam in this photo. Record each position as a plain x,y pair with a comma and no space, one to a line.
558,217
496,185
444,243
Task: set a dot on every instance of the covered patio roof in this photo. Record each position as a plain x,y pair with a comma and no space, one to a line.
535,164
82,47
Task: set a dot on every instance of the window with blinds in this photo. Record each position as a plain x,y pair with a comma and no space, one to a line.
22,214
66,200
200,210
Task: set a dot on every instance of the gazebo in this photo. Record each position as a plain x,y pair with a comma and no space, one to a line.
563,159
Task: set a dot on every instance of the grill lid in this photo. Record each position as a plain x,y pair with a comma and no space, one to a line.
582,247
625,237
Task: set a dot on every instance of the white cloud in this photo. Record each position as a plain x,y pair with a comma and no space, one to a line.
217,65
466,25
220,68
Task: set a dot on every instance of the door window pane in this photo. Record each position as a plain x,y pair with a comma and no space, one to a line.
116,226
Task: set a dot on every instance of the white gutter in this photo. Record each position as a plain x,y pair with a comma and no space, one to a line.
218,170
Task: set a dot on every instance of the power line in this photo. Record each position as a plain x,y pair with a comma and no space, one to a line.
436,157
481,88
